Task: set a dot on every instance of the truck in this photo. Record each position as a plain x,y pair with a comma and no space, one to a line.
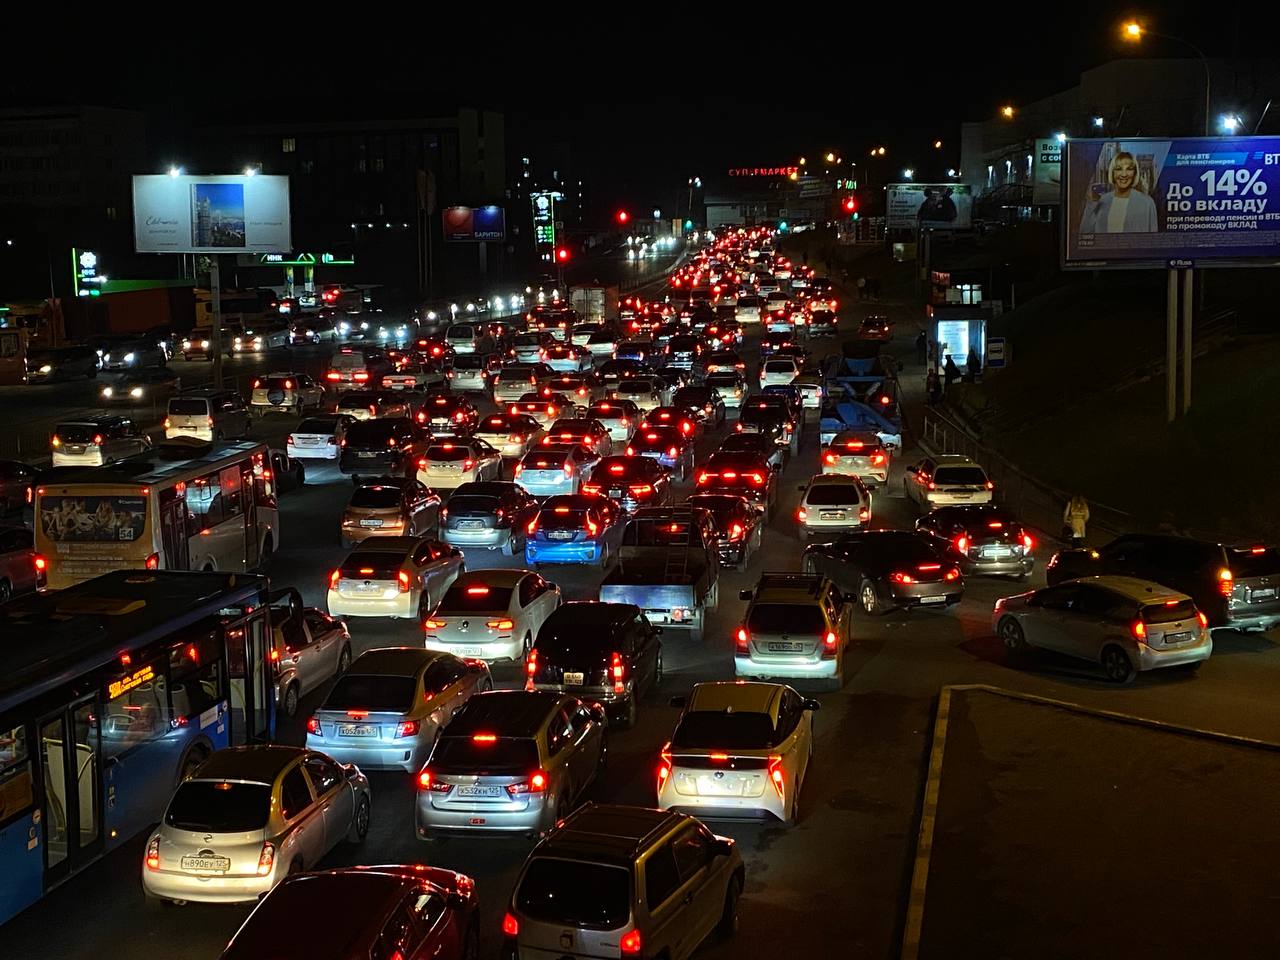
594,303
861,387
668,565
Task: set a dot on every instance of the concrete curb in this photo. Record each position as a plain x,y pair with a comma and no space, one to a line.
933,783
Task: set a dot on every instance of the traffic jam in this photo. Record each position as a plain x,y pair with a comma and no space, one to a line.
639,456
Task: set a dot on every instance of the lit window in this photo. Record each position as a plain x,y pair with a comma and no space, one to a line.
288,145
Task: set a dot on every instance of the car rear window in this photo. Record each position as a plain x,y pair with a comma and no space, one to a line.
575,893
447,454
460,332
470,361
317,425
562,518
349,361
372,433
970,476
376,498
215,806
704,729
722,380
355,691
780,366
473,503
78,432
371,566
1249,562
1169,612
821,494
514,374
188,408
636,387
785,618
475,598
552,460
469,755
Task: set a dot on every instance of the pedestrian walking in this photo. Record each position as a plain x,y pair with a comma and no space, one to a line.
974,365
922,349
950,372
862,288
1075,517
932,387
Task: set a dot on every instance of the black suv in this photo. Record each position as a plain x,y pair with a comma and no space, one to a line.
606,653
373,448
1236,587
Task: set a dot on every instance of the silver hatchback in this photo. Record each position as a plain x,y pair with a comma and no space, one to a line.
248,817
512,761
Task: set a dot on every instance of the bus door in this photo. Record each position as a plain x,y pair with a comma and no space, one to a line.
252,684
173,528
71,794
249,488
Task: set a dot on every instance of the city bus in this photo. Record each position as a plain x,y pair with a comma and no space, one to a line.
184,505
111,692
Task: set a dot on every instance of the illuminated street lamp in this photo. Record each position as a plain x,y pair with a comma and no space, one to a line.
175,171
1099,122
1060,137
831,157
937,144
1133,32
908,173
803,161
1007,111
1229,123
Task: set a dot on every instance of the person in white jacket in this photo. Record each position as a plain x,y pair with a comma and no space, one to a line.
1075,517
1123,209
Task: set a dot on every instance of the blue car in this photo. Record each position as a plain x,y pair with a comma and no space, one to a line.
571,529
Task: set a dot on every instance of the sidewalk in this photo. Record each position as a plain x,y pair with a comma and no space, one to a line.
1063,832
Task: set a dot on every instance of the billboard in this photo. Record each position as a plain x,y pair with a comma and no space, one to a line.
469,224
1046,177
1134,202
219,214
935,206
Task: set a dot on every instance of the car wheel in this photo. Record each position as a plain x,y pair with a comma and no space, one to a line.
344,660
604,556
290,705
729,918
424,607
1012,636
526,646
1117,666
629,718
868,598
193,761
360,822
509,548
793,815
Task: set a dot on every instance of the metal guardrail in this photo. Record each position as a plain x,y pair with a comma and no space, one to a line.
1036,503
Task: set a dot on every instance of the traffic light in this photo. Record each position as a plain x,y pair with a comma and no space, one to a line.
623,216
782,226
850,204
688,224
562,254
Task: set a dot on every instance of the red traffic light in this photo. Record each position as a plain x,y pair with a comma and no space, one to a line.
623,216
562,254
850,204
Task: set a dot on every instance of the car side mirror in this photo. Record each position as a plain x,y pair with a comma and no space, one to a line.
679,702
722,847
812,704
457,901
744,594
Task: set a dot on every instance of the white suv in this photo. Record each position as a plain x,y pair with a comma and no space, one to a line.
946,481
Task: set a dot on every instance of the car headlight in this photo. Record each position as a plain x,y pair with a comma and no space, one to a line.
46,369
364,324
107,391
186,344
136,392
311,333
129,358
204,344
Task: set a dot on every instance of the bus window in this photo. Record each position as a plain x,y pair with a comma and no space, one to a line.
195,677
15,773
138,713
229,485
204,503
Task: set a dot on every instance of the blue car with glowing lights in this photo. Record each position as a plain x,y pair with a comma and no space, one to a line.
572,529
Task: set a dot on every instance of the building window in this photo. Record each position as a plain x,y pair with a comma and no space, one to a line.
377,165
307,166
360,165
288,145
111,213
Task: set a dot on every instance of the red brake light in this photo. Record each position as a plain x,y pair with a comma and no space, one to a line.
406,728
952,574
630,944
899,577
1139,630
962,544
42,565
334,577
403,578
531,665
740,644
829,458
1027,542
1226,582
500,624
479,591
313,725
1204,621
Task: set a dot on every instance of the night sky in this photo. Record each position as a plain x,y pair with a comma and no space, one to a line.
642,103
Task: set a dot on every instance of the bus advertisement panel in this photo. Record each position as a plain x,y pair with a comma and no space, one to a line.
1135,202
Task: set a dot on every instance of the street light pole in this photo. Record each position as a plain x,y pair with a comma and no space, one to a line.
1135,31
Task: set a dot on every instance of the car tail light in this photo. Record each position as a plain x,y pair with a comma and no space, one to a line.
537,783
153,853
952,574
736,531
664,765
631,944
266,859
776,776
427,782
1027,542
152,562
618,671
1204,621
334,577
435,624
500,624
962,544
532,528
531,664
592,488
403,579
864,514
1139,630
510,926
830,645
802,515
333,376
899,577
740,642
406,728
877,459
830,458
313,725
360,375
641,489
1226,582
568,469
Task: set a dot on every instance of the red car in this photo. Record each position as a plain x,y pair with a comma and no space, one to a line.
875,328
412,912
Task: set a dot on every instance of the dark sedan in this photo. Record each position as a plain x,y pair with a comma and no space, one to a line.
888,570
738,522
44,366
982,539
704,402
142,386
374,448
632,481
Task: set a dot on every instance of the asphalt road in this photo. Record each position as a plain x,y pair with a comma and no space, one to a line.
835,884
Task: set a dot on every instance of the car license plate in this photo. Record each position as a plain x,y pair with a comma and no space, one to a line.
216,864
831,514
574,679
1267,593
366,453
1177,637
560,534
370,523
785,646
357,730
938,599
962,496
469,651
996,552
615,492
470,524
475,790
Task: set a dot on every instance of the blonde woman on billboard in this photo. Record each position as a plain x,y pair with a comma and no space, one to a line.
1119,205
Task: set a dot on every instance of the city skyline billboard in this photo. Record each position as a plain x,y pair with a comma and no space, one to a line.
933,206
211,214
1144,202
470,224
1046,180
